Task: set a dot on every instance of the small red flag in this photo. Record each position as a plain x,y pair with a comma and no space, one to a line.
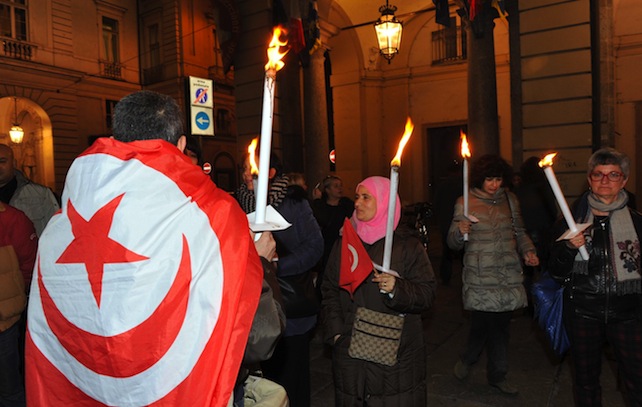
356,265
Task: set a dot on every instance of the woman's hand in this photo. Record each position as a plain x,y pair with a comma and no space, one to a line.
531,259
577,241
464,226
386,281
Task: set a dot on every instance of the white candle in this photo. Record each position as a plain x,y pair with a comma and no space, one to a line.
392,203
561,201
261,190
392,198
465,164
273,65
465,154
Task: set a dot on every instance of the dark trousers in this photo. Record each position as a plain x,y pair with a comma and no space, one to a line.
289,366
489,330
587,337
12,392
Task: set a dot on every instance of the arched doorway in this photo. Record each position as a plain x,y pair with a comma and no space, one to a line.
223,173
34,154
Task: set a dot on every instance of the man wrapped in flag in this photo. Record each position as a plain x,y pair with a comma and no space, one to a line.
147,280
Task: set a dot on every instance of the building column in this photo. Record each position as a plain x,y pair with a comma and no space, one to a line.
483,123
315,117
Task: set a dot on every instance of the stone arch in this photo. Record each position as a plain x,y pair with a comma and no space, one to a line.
34,156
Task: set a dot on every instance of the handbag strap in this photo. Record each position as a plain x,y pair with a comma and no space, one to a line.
512,213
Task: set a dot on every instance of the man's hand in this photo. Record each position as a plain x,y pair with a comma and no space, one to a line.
265,246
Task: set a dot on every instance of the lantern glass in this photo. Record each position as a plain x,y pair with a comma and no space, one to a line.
16,134
389,31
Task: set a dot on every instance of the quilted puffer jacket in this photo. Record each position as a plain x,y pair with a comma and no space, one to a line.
492,273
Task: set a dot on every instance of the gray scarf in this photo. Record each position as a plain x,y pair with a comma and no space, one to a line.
625,244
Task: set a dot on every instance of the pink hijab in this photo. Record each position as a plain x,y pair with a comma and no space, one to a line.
375,228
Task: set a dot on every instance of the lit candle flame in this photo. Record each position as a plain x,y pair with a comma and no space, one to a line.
396,162
274,56
547,161
251,149
465,150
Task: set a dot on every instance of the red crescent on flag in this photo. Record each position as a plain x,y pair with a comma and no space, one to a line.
91,349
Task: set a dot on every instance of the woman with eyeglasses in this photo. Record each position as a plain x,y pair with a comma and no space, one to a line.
603,296
492,268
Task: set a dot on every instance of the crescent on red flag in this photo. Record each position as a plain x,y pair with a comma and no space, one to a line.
87,348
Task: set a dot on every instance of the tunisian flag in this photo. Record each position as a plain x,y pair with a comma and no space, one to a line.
356,265
145,285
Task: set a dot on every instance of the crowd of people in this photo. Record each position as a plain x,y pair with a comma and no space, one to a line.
144,283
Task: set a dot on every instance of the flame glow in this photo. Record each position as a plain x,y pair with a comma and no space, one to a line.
274,56
251,149
396,161
465,150
547,161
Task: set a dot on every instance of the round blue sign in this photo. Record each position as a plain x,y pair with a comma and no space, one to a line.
202,120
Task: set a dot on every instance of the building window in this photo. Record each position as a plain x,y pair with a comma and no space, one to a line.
449,44
13,19
110,64
223,122
153,68
109,112
154,45
110,40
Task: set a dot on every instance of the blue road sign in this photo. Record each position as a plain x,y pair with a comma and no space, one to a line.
202,120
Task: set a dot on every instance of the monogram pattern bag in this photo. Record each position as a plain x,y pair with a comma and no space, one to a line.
376,336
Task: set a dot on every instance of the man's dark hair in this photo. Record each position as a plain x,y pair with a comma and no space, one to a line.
147,115
489,165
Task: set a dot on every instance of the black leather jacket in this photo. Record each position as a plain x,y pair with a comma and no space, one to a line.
593,295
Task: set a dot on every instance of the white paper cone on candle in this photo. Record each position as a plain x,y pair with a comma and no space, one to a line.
547,163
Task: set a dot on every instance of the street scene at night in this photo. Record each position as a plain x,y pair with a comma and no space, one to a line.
310,203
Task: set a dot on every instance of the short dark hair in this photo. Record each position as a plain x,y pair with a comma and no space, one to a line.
147,115
609,156
489,165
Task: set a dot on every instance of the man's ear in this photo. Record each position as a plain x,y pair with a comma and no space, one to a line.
181,143
272,173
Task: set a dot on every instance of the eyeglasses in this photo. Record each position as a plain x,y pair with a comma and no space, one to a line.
612,176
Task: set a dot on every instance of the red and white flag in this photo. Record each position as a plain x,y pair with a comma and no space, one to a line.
356,265
145,285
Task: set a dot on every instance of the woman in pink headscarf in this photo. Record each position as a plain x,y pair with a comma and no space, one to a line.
360,382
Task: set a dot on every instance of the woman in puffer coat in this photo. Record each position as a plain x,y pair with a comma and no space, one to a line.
492,273
359,382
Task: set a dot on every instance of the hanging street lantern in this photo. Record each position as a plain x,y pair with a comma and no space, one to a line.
388,30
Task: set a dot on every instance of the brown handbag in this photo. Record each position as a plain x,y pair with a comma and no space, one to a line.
376,336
